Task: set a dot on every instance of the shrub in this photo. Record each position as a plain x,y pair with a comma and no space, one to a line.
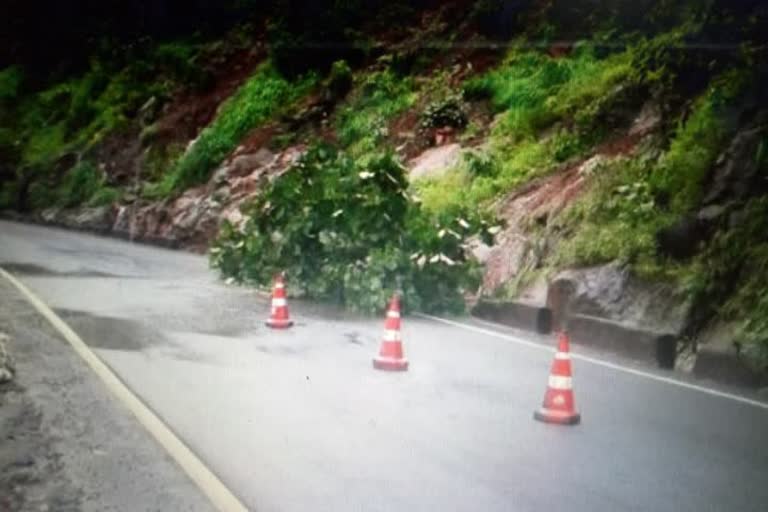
444,112
339,80
695,145
44,145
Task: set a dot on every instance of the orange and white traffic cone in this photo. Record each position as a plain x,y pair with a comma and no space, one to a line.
559,405
279,317
391,353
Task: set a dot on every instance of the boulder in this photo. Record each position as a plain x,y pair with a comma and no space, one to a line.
50,215
610,292
648,120
100,218
435,162
242,165
220,176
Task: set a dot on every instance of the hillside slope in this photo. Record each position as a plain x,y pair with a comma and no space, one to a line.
607,160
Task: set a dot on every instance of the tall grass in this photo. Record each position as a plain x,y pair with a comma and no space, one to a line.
378,97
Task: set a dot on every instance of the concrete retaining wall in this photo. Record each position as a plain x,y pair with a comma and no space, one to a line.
515,314
646,345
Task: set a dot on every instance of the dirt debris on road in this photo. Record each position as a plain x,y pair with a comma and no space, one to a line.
65,443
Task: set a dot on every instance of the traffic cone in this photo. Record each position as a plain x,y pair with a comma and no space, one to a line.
279,318
559,406
391,353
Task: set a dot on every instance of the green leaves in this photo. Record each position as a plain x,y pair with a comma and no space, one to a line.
347,232
447,111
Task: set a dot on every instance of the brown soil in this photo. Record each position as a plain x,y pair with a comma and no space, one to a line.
537,202
257,138
120,155
190,111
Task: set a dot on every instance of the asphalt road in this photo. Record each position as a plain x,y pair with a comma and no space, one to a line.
298,420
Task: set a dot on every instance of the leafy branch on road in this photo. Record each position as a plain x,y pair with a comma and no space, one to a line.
351,233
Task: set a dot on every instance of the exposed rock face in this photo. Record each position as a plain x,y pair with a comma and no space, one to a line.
734,179
610,292
242,165
98,219
192,219
435,162
515,251
736,175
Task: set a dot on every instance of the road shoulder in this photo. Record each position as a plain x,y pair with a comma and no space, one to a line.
66,443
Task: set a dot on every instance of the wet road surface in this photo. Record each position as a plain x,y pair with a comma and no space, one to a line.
298,420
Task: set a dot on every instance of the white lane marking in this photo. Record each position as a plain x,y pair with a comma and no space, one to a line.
219,495
600,362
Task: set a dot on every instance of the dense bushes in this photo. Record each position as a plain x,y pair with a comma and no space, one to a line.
350,233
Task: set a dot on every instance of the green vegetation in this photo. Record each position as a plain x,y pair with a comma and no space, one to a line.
263,95
632,199
448,111
84,184
379,97
71,117
617,220
735,265
532,92
76,114
350,233
344,223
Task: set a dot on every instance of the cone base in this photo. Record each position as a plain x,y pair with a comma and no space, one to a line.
560,418
279,324
388,364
